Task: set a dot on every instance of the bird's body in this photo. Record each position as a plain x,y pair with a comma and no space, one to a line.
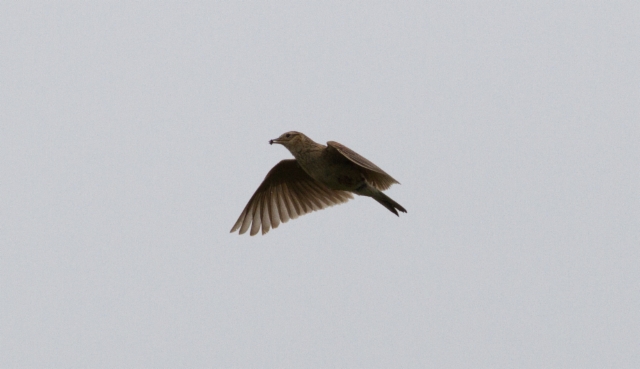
319,176
329,167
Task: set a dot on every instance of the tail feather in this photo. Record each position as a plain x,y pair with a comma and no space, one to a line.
388,203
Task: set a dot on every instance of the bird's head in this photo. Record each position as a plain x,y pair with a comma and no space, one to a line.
291,140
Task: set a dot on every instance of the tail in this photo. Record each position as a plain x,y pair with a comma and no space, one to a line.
388,203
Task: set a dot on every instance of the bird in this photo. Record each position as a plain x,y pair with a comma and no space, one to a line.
318,177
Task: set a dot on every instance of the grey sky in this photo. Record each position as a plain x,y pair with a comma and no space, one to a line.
133,134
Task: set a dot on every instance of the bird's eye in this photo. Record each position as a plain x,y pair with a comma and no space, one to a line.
287,135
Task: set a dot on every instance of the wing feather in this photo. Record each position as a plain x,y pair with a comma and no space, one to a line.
282,207
373,174
286,193
255,226
276,212
292,206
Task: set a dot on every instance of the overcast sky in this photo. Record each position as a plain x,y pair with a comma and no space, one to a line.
133,134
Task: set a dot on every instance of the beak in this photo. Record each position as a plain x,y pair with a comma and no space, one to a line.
275,140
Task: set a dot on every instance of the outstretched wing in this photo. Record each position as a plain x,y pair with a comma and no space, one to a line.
286,193
373,174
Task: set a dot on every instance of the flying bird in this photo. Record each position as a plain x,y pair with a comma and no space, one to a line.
318,177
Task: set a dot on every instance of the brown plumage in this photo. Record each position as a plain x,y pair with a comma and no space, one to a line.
318,177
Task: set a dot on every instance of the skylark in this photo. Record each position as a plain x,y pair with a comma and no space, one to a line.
318,177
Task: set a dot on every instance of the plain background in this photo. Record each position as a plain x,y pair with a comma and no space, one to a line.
132,134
